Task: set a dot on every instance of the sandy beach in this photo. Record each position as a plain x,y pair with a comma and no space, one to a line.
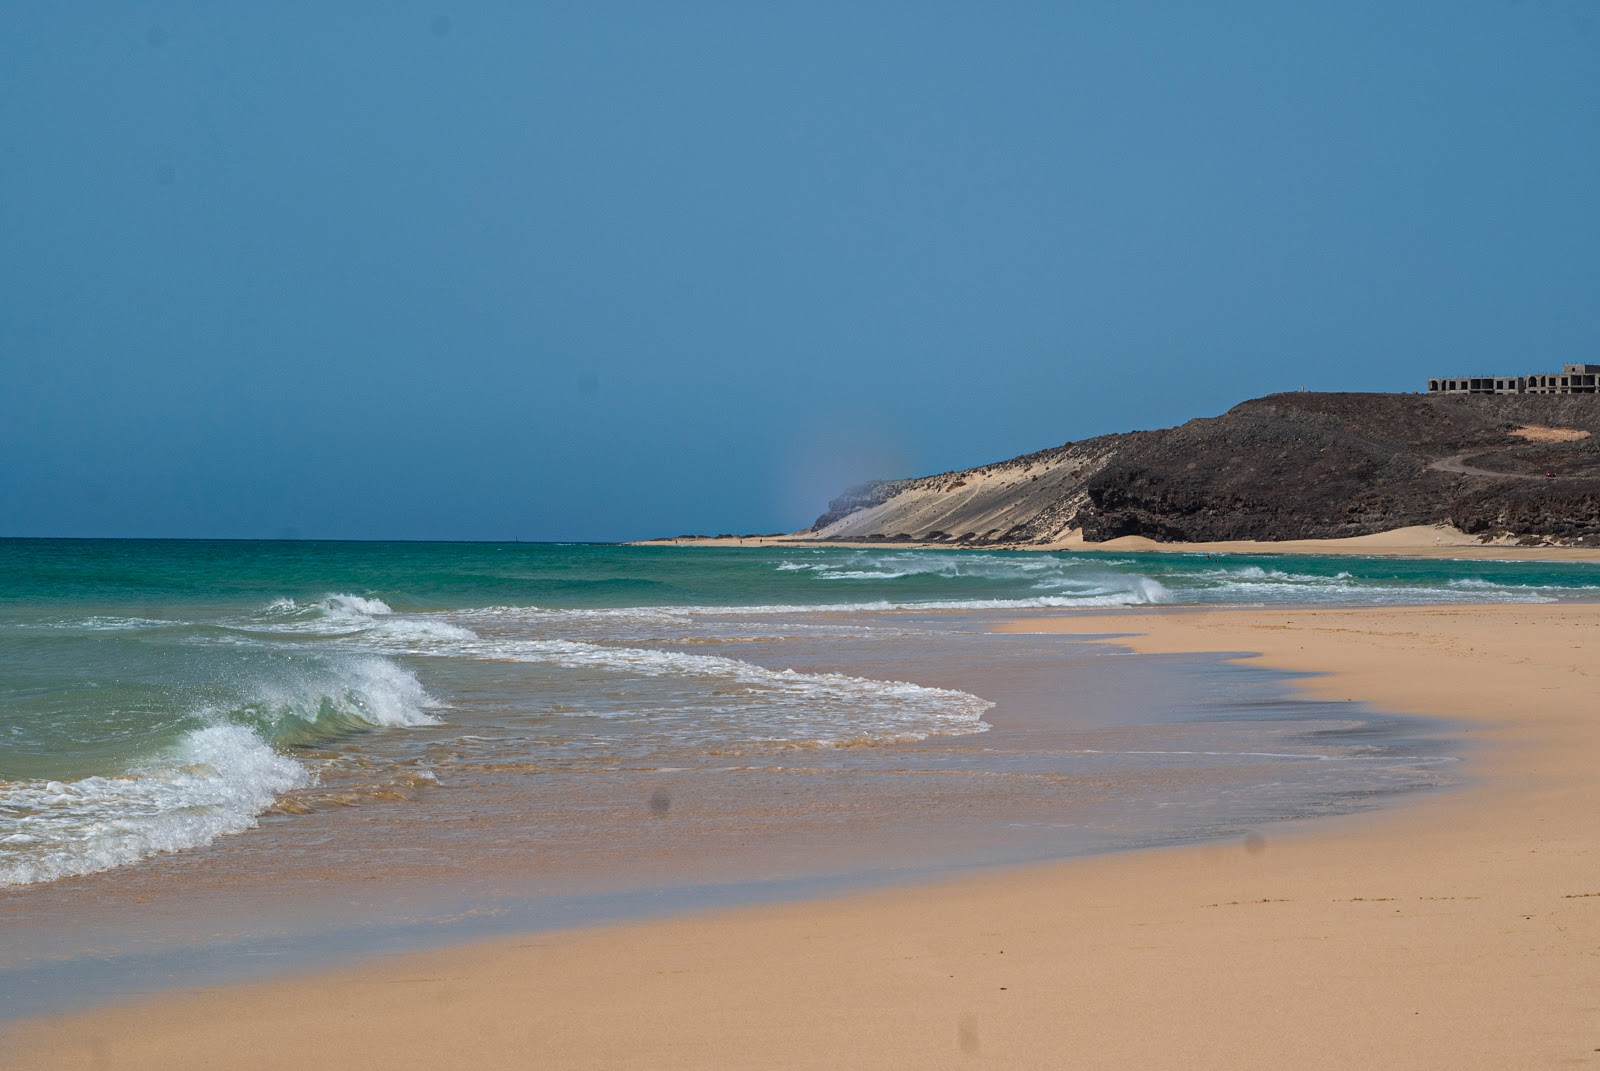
1435,541
1432,541
1459,931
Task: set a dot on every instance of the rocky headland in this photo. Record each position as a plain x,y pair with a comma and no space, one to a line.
1283,467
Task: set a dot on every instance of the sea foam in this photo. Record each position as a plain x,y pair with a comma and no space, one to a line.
745,702
215,782
331,695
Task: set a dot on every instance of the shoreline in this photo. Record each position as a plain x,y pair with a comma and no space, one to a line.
1054,775
1455,930
1422,541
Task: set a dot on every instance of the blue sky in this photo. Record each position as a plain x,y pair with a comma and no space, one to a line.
606,270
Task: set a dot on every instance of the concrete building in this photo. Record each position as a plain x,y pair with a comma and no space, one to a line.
1572,379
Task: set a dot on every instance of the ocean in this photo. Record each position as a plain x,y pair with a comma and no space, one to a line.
157,696
221,760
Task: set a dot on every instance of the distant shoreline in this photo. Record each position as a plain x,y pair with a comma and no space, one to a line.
1422,541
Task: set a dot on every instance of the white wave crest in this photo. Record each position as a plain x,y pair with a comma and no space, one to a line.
335,614
96,623
817,708
355,604
782,706
216,782
336,603
420,630
878,565
368,690
1072,580
1134,591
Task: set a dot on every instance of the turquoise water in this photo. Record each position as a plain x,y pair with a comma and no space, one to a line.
157,695
419,576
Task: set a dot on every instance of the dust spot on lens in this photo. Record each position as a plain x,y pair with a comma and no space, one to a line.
156,35
440,25
660,802
1255,843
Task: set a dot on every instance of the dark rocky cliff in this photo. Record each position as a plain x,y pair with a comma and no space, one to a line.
1287,466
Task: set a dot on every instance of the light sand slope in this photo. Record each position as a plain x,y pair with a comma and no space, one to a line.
1459,932
1539,433
1041,492
1417,541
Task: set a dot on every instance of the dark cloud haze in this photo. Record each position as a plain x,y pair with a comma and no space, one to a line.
600,271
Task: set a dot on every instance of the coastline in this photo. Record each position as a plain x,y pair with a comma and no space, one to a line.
1421,541
1457,930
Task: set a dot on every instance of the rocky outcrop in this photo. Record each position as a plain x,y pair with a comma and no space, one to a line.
1565,510
1287,466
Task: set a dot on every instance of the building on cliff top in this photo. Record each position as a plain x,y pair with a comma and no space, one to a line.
1572,379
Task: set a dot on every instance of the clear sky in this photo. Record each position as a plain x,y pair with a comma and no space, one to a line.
598,270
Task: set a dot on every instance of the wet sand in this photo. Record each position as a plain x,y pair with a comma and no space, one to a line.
1089,751
1460,931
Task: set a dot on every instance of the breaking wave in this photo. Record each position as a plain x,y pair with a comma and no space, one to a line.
254,685
332,696
932,579
215,779
747,703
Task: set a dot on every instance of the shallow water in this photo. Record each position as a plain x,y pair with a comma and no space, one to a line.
155,696
309,747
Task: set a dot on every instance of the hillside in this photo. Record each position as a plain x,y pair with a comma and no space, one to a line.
1287,466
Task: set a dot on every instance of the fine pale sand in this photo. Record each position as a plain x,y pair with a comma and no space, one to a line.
1418,541
1540,433
1461,931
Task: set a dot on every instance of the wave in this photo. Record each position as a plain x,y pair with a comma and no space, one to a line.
1256,572
765,706
1092,581
354,604
421,629
316,700
1255,585
1138,591
1476,584
330,615
336,603
875,565
216,781
105,623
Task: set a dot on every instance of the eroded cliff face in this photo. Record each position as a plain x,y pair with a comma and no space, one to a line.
1026,499
1287,466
